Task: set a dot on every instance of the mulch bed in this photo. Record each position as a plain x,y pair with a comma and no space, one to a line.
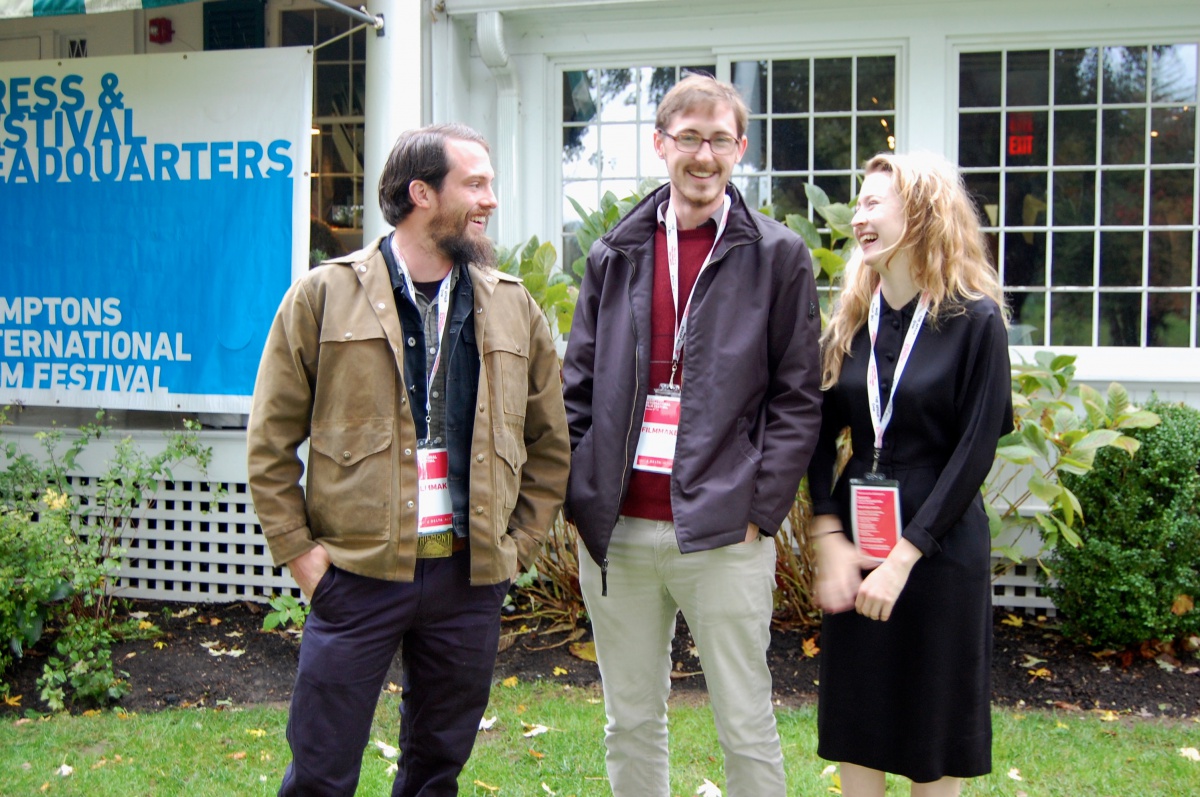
218,655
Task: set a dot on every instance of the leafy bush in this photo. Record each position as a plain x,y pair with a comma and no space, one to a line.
1137,575
59,549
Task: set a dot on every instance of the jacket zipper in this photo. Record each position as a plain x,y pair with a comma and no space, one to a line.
632,411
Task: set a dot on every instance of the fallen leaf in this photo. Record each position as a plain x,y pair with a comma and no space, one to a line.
1163,663
139,615
1015,774
829,770
65,771
510,681
131,654
486,724
1032,661
393,688
238,756
583,650
188,612
145,625
23,720
1060,725
548,790
809,647
534,730
1040,672
1107,715
159,645
536,754
12,700
1190,753
708,789
45,786
1013,620
257,733
92,712
386,750
559,671
214,621
487,786
1182,605
1065,706
233,634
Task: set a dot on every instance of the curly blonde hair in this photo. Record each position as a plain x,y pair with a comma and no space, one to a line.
945,246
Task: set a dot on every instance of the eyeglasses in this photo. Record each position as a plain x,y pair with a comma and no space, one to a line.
691,142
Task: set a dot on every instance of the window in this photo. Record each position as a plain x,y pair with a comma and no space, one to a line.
813,120
338,85
1083,164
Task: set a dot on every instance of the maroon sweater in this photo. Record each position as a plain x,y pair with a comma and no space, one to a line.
649,493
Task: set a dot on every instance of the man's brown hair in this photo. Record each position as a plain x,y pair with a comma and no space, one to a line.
700,91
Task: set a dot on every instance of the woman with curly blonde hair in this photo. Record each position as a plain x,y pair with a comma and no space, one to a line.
915,363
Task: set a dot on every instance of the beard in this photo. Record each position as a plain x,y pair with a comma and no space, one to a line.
459,245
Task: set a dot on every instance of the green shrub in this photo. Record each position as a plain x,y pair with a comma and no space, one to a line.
1137,575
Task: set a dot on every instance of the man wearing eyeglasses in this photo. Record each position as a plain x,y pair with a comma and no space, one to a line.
691,385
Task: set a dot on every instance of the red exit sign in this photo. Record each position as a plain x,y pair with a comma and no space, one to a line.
1020,134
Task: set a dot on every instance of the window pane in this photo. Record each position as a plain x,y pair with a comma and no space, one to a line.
618,151
1075,76
333,90
1025,259
750,77
580,153
1074,138
1026,199
1120,259
831,84
582,192
1171,197
1028,325
1121,197
789,144
358,46
787,195
358,85
343,203
1173,135
985,190
655,85
877,84
1171,259
331,23
296,28
1026,143
1175,73
755,157
340,147
1072,260
789,87
1120,319
875,135
1124,74
1124,136
979,139
839,187
1029,78
831,143
1072,314
579,98
1167,319
979,80
1074,198
616,94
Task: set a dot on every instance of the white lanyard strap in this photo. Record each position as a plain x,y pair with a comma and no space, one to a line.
880,420
443,308
673,267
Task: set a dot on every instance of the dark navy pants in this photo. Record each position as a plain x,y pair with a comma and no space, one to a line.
449,632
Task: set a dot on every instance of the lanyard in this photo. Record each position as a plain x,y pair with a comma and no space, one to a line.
443,308
673,267
879,422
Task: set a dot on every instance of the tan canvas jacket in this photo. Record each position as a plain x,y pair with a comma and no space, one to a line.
332,373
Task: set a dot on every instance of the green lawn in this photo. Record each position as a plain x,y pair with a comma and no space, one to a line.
219,753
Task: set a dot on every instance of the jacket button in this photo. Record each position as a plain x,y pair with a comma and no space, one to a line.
404,399
381,305
362,269
479,309
479,510
412,341
481,408
345,455
408,452
410,505
349,335
518,348
479,457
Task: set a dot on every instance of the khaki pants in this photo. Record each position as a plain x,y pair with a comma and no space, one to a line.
725,597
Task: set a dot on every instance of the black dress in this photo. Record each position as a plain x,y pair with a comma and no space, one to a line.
911,696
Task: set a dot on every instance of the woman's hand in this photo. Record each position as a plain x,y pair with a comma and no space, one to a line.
838,574
882,587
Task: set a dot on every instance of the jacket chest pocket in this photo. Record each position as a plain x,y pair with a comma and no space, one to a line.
507,364
350,479
354,353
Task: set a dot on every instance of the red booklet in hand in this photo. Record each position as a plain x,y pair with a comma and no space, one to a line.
875,516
